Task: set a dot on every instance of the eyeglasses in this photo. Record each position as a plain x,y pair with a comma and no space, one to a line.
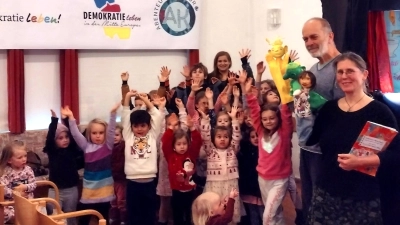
348,72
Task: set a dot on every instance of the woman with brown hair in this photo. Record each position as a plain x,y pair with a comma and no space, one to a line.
343,195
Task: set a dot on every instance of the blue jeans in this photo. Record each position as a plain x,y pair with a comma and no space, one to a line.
254,213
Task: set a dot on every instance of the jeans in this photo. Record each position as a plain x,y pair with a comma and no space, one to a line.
68,201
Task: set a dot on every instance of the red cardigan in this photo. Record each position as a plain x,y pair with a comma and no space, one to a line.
177,162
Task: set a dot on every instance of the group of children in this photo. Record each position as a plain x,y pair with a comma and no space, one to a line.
196,146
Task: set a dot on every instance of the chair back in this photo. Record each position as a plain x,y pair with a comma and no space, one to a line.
29,215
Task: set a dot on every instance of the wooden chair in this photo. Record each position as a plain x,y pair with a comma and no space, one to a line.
41,183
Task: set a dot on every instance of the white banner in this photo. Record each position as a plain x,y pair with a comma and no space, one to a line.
99,24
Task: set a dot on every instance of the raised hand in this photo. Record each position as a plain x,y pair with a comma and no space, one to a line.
242,76
115,107
260,67
224,98
236,91
164,74
186,72
203,115
125,76
248,85
53,114
234,193
293,55
66,112
196,85
209,94
179,103
132,93
143,96
232,78
245,53
233,112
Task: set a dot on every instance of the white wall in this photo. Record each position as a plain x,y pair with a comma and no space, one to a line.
3,92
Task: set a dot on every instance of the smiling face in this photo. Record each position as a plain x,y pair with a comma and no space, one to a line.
269,120
316,38
349,77
305,81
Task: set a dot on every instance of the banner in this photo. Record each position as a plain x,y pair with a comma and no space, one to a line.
100,24
392,20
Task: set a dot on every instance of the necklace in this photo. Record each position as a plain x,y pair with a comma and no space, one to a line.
348,110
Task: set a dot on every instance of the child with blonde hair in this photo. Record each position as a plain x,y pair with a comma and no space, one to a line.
15,174
98,184
210,209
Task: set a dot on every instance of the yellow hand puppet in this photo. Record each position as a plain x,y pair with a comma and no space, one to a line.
277,59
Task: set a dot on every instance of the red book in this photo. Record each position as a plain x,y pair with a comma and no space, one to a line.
373,139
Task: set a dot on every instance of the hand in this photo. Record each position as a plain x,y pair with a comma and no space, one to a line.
209,94
143,96
180,177
236,91
214,80
196,85
186,72
189,122
248,85
132,93
115,107
164,74
293,55
348,161
224,98
232,78
179,103
245,53
234,193
242,76
125,76
53,114
233,112
66,112
260,68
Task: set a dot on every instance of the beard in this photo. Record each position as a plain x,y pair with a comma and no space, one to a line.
322,49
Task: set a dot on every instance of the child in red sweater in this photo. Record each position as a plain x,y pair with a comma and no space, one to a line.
210,209
180,153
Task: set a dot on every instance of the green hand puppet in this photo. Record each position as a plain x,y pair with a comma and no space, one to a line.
302,83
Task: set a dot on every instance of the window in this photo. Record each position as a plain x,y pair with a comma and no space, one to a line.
4,92
42,87
100,80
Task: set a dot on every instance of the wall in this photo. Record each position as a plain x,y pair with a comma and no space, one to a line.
228,25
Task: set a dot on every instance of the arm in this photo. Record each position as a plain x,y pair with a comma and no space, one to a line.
213,117
183,118
190,106
124,90
227,217
162,89
111,131
236,135
167,146
255,112
195,145
31,186
156,120
51,135
287,122
77,135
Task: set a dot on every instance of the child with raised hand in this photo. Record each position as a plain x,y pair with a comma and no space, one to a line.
15,175
222,165
274,130
210,209
118,209
141,131
62,151
181,153
98,184
163,185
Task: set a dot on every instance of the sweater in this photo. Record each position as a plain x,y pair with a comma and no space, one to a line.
141,152
222,164
62,161
98,184
12,178
181,163
275,164
223,219
333,124
118,162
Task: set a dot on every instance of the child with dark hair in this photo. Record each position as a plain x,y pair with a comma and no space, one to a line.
181,153
141,130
